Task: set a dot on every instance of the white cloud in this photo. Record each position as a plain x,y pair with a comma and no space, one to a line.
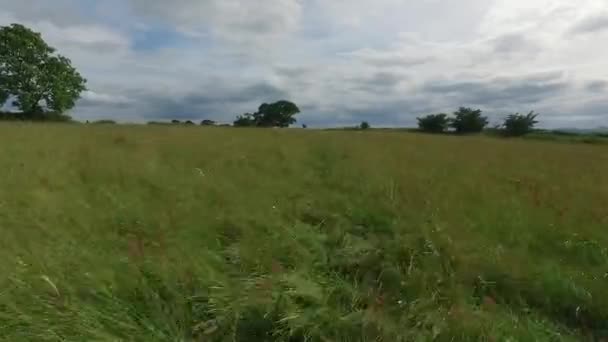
101,98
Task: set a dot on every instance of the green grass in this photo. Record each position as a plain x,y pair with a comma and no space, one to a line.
164,233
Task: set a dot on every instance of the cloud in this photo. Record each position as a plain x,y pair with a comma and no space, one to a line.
93,99
342,62
388,59
500,91
597,86
511,44
223,103
591,24
234,20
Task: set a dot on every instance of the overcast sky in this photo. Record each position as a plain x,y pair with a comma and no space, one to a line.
341,61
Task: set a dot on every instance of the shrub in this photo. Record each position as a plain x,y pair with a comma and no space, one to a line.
433,123
364,125
207,123
467,120
175,121
518,124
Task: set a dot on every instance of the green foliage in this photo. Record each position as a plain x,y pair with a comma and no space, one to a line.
245,120
277,114
519,124
207,123
38,80
175,122
364,125
467,120
189,123
433,123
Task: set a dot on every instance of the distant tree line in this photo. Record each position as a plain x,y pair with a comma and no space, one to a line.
467,120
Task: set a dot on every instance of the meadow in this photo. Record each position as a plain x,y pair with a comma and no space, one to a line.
167,233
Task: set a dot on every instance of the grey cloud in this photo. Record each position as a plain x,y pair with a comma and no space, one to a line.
597,86
512,44
379,82
292,72
499,92
87,104
221,104
388,59
591,24
231,19
588,115
58,12
395,113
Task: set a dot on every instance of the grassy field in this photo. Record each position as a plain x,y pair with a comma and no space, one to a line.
165,233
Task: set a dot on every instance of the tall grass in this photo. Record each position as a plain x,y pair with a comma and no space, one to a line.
165,233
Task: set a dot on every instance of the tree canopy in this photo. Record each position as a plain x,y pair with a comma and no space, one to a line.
277,114
468,120
433,123
37,81
519,124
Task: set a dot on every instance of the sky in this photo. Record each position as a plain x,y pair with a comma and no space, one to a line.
340,61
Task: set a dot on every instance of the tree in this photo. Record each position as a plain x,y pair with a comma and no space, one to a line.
189,123
245,120
175,122
364,125
39,82
433,123
207,123
278,114
304,126
467,120
519,124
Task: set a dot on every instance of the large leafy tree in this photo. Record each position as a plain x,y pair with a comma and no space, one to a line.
277,114
467,120
33,77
